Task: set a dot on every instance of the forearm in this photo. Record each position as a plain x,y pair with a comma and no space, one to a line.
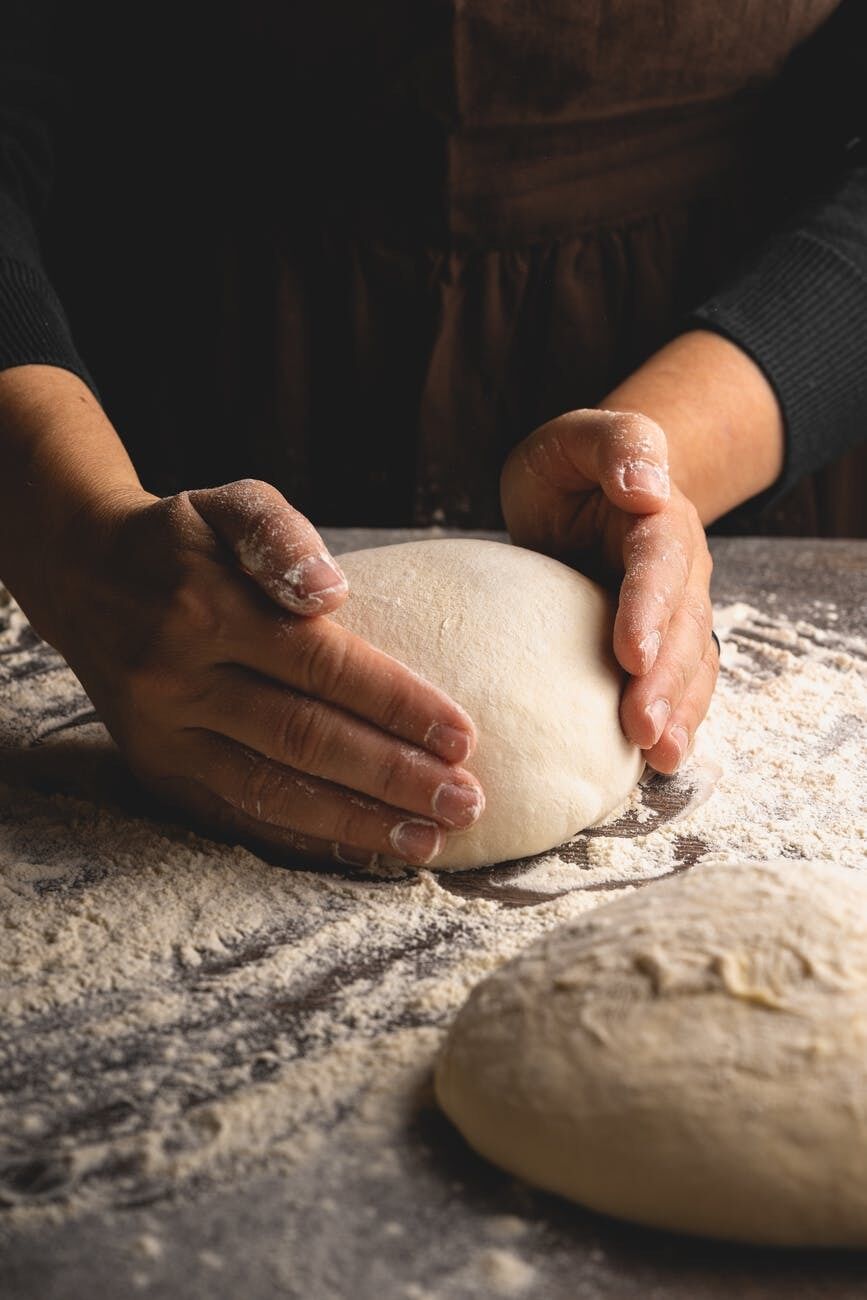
59,457
720,415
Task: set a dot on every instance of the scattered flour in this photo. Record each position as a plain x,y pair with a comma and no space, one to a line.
505,1272
179,1014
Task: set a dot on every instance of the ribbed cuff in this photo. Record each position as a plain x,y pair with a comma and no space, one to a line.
800,312
33,326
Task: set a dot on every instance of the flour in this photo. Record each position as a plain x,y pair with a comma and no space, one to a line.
179,1014
784,745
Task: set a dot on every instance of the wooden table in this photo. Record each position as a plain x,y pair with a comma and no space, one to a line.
430,1222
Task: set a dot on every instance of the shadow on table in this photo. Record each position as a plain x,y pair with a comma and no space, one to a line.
607,1257
81,761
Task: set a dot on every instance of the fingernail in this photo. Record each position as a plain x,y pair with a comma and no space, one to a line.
303,587
448,742
416,841
352,857
648,650
459,805
680,737
315,575
644,476
659,712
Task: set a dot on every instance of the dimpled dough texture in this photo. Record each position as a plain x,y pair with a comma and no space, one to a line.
693,1056
523,643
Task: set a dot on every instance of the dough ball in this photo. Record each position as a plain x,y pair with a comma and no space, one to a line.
692,1056
523,643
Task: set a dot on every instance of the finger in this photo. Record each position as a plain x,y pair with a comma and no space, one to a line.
268,792
277,546
326,661
658,555
322,740
677,738
302,850
219,820
623,452
649,702
632,460
286,848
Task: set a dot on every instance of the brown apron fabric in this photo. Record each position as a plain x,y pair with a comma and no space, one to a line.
489,213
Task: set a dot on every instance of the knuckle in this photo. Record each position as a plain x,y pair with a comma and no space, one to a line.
254,496
541,451
698,613
266,503
176,511
708,560
253,487
392,779
257,790
703,560
192,613
638,432
301,735
711,665
641,533
690,719
352,823
676,556
326,665
683,675
393,711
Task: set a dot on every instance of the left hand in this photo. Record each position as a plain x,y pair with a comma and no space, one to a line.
592,488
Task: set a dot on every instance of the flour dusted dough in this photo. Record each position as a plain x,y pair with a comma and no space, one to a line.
523,643
692,1056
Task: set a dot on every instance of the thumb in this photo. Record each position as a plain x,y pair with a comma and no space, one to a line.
277,546
632,459
623,453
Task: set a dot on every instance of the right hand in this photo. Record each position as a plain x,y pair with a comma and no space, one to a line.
193,624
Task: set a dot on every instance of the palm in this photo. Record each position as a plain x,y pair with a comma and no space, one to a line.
592,488
582,528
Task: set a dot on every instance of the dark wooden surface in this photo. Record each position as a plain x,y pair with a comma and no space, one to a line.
435,1197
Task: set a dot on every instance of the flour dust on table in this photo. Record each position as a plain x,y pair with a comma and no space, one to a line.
183,1020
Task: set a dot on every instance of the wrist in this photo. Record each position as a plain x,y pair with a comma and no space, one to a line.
70,563
63,470
720,415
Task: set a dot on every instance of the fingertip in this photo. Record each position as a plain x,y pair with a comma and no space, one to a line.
640,486
650,476
628,727
670,751
417,840
644,721
315,585
661,760
349,856
678,737
648,650
458,804
453,744
628,649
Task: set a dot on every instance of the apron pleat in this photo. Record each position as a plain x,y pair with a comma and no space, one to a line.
490,226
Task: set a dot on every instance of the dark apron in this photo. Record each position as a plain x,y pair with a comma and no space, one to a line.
460,218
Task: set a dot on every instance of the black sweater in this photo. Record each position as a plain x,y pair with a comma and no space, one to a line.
798,306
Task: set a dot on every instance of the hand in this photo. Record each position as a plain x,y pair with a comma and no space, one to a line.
592,488
192,622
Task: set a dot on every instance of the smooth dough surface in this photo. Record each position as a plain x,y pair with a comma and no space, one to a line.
693,1056
523,643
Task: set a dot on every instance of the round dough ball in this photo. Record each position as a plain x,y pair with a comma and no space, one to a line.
693,1056
523,643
